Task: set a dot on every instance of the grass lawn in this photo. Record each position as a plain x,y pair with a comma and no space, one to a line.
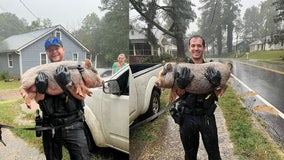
9,85
275,57
249,141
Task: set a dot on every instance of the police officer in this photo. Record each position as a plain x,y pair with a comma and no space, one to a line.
198,109
63,113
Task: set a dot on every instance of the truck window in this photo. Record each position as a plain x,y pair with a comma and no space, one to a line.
124,83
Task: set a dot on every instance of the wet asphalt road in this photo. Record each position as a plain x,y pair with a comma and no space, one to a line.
261,85
264,81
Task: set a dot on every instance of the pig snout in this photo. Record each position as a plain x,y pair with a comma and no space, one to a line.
165,79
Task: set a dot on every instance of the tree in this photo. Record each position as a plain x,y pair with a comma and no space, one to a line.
106,37
87,33
279,5
180,12
211,23
39,23
219,17
113,33
231,12
279,18
10,25
252,22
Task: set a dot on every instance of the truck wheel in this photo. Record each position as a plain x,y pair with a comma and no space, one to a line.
154,106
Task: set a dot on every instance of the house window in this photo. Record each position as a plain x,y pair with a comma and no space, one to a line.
10,61
75,57
43,58
58,34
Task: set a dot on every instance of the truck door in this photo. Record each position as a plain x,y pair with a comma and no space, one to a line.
115,114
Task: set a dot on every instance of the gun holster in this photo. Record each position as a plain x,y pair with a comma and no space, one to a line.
176,112
38,123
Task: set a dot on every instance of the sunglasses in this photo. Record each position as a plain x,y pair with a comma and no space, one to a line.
53,41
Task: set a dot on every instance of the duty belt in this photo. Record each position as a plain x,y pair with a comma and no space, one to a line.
194,112
66,120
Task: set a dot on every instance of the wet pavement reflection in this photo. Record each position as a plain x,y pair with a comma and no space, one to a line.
264,88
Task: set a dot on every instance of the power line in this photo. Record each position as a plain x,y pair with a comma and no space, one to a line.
28,9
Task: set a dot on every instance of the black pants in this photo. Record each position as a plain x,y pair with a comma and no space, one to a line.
72,137
189,133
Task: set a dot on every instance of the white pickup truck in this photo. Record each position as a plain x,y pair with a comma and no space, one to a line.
127,95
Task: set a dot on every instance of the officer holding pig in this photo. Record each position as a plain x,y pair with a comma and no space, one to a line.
195,112
64,113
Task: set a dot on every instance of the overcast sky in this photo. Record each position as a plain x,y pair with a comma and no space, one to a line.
69,13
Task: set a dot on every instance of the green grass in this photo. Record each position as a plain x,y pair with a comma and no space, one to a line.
265,55
148,132
249,141
9,110
9,85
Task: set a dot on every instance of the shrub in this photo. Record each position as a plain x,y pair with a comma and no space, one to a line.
158,59
5,75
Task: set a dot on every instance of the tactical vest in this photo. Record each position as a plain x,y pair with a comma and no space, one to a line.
61,107
198,104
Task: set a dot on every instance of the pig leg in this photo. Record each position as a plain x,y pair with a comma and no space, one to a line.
79,89
39,96
221,92
29,98
85,89
23,92
82,90
77,92
172,95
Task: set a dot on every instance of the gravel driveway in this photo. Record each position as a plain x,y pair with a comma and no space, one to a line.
168,144
16,148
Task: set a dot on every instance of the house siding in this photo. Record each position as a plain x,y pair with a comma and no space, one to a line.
14,71
71,47
30,46
31,54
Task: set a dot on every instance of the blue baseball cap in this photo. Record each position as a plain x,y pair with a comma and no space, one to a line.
52,41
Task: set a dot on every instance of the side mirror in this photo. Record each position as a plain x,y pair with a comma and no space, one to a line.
111,87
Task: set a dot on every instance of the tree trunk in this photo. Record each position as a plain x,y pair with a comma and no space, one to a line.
230,28
219,40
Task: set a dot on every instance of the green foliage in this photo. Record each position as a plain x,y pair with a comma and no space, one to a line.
158,59
9,85
149,132
107,36
5,75
10,25
249,142
265,55
39,23
279,5
177,13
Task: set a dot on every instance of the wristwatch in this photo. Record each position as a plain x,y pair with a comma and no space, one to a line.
218,88
70,85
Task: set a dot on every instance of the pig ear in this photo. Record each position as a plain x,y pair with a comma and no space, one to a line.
169,67
88,63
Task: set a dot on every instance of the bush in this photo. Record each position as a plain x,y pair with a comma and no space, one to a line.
5,75
158,59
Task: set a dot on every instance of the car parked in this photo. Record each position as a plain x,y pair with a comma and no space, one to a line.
104,72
